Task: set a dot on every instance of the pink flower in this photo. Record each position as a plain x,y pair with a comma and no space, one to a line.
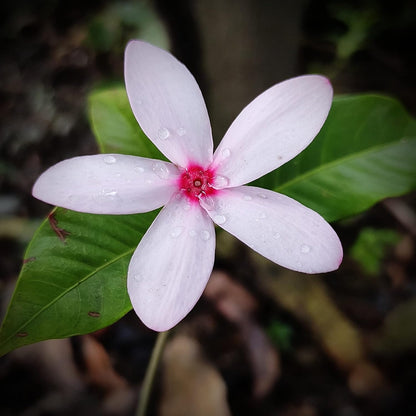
173,262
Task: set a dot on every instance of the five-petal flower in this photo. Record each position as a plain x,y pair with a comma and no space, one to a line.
172,264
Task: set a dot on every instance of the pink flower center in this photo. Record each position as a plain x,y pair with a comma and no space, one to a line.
197,183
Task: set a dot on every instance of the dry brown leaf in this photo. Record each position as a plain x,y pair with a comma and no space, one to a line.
237,305
307,298
99,370
54,361
191,386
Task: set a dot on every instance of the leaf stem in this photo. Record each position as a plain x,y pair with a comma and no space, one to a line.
150,373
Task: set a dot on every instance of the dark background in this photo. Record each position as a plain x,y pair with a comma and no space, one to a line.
341,344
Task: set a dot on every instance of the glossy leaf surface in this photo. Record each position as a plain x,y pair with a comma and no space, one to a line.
73,280
115,126
365,152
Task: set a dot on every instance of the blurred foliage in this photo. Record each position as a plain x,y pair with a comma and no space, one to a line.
280,334
362,44
20,229
371,247
119,22
358,23
399,331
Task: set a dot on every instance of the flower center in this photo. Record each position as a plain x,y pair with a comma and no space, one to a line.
196,182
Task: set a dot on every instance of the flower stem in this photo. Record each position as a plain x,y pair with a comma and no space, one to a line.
150,373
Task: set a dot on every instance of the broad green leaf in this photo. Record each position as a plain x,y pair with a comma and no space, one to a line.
365,152
115,126
73,280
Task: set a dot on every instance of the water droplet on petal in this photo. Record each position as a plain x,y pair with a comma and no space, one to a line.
118,174
187,207
225,153
261,216
276,235
181,131
161,170
110,194
220,181
247,198
176,231
219,219
207,202
305,248
138,277
109,159
192,233
163,133
139,169
262,196
205,235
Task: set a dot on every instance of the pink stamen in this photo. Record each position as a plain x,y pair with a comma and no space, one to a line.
196,182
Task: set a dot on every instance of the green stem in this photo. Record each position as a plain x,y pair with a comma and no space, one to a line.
150,373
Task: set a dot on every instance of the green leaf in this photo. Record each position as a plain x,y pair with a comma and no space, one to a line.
115,126
73,280
365,152
371,247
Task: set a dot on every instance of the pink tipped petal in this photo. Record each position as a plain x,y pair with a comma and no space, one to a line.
273,129
278,227
108,184
172,264
168,104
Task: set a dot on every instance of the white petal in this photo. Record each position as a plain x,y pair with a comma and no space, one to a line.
273,128
168,104
278,227
172,264
108,184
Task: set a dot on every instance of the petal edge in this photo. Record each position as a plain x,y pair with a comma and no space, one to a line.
273,128
279,228
172,264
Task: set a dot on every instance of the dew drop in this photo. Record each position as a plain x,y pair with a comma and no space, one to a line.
109,159
163,133
276,235
261,216
138,277
208,203
139,169
176,231
247,198
110,194
219,219
187,207
181,131
118,174
161,170
205,235
262,196
192,233
220,181
225,153
305,248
